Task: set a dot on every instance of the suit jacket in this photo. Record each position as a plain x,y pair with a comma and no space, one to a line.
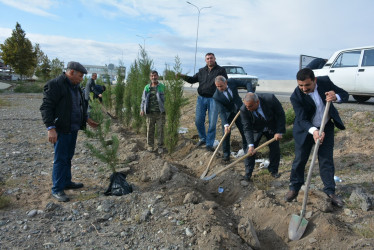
305,108
274,114
223,105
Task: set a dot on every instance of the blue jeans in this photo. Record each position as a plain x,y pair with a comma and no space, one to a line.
202,105
64,152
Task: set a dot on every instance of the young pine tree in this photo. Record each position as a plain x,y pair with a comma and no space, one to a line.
107,149
174,101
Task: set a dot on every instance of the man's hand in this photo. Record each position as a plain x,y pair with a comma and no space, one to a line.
142,113
227,129
278,137
331,96
179,75
100,95
251,150
52,136
316,136
92,123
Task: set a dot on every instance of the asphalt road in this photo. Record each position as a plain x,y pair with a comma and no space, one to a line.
351,104
285,97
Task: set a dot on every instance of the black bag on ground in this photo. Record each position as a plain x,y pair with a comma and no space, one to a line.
118,185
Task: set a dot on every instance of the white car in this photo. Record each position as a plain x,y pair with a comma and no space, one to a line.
353,70
238,73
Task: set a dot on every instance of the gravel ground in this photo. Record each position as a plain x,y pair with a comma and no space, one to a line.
171,208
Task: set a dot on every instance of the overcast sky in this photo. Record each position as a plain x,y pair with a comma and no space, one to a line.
266,37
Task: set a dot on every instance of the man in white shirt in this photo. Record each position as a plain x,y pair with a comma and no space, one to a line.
308,101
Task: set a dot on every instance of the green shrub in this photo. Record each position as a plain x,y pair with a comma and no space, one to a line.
28,88
290,116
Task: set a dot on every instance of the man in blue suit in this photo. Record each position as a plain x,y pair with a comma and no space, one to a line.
309,101
262,114
228,103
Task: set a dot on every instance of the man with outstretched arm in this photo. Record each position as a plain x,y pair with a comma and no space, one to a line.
205,102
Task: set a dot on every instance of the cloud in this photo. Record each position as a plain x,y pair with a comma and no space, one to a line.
36,7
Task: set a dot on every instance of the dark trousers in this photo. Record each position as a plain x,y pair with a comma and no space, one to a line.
325,160
226,142
64,152
274,154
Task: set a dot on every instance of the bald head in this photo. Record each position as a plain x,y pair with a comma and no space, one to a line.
251,101
221,83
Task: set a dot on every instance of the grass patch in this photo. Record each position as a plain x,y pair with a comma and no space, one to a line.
366,230
262,180
4,103
4,201
287,149
29,87
87,196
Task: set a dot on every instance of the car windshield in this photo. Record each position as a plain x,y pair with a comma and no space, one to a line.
235,70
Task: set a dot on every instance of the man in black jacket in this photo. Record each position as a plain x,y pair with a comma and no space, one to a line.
91,87
64,113
262,114
228,103
205,102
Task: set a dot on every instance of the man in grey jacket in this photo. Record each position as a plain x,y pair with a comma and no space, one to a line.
152,106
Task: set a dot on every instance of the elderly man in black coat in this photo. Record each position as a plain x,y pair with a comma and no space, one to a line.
262,114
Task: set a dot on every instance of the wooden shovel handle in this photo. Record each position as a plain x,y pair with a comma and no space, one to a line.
246,155
219,145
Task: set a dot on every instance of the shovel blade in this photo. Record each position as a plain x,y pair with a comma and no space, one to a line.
208,178
297,227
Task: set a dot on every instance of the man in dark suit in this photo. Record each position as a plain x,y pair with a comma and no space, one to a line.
309,101
228,103
262,114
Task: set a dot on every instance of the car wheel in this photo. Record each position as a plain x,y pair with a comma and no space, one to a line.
360,98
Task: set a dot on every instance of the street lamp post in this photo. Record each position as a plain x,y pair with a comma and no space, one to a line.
197,30
144,38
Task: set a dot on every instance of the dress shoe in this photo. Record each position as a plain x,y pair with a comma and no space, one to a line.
336,200
247,178
61,196
74,185
276,175
199,143
291,195
211,149
226,159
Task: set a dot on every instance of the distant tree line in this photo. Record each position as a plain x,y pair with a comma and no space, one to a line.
27,60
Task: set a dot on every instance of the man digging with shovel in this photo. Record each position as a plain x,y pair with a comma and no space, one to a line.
262,114
309,101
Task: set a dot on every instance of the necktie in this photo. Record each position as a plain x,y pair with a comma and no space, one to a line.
259,116
229,95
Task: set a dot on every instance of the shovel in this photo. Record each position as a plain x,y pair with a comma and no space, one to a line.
298,224
219,145
240,159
